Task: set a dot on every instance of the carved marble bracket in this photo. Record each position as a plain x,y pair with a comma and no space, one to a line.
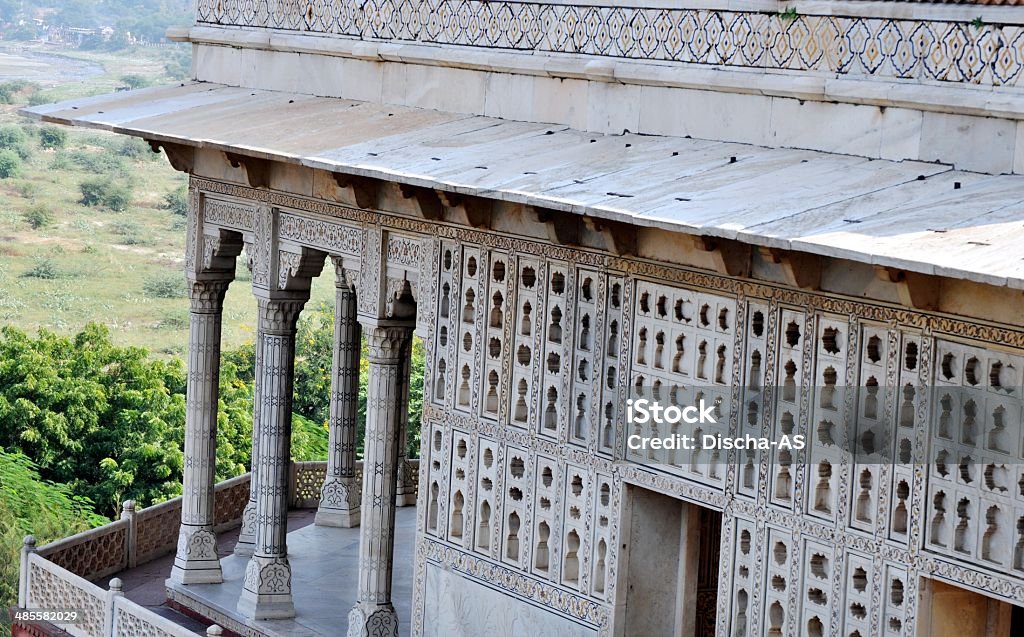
399,302
473,211
799,269
731,258
219,251
562,227
428,203
614,236
914,290
344,277
257,171
180,156
295,270
363,189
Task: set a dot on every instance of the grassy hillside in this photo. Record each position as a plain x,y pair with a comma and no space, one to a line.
64,263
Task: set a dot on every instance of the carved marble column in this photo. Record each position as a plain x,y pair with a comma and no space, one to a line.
246,543
340,495
266,591
405,489
196,560
373,614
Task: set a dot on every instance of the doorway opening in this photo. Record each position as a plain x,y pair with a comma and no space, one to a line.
671,561
951,611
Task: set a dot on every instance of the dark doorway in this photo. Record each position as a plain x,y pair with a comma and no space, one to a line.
710,544
670,566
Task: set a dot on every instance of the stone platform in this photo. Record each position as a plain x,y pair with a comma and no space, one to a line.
324,565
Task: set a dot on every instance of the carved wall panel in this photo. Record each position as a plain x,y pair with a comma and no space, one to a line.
533,348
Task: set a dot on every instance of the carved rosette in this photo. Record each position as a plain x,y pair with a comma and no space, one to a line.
202,545
335,494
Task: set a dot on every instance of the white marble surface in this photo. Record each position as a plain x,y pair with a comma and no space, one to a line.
325,565
458,607
896,214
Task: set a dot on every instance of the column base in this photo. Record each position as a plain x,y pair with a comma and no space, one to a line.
340,499
344,519
196,561
246,544
267,591
372,620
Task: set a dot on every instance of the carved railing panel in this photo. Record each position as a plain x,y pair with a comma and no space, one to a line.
92,554
857,45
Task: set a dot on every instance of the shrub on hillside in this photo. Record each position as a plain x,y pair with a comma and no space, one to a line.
177,201
99,162
101,191
43,269
39,98
52,137
10,90
118,199
10,164
166,285
11,135
135,148
93,191
38,216
134,80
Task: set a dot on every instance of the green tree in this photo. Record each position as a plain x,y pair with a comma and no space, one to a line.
108,421
31,506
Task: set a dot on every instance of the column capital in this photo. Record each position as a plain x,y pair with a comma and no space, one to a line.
207,295
279,315
386,344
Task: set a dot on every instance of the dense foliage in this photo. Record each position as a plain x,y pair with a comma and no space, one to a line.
30,505
108,421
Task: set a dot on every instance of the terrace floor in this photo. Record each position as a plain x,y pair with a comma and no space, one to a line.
324,564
